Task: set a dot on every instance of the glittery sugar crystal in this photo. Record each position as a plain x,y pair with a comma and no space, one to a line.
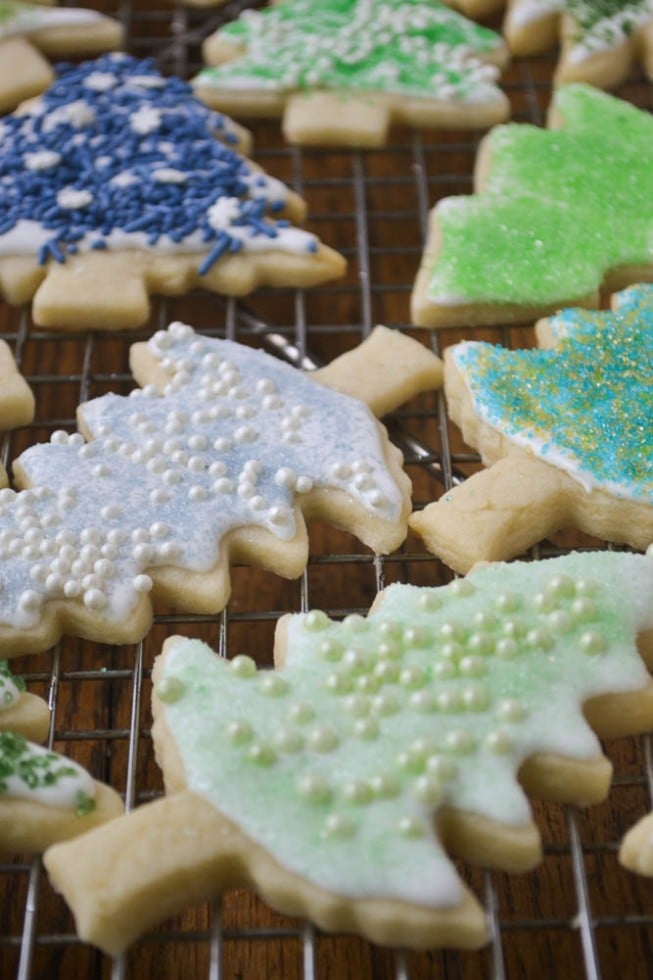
585,406
553,216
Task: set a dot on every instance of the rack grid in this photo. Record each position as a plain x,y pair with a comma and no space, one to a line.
578,915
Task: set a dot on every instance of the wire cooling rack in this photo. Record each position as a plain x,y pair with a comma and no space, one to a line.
578,915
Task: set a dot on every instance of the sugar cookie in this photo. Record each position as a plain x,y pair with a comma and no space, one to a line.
21,712
338,783
340,72
140,190
636,851
552,220
45,797
29,31
566,433
599,41
220,457
16,398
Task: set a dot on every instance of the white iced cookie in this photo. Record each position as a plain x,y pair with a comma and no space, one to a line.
29,31
221,456
339,783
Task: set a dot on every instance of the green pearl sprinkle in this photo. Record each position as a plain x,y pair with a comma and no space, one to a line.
242,666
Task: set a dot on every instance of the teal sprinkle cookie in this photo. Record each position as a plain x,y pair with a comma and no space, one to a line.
587,405
565,433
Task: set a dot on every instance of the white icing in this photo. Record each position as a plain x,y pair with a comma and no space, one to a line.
168,175
26,237
230,441
223,213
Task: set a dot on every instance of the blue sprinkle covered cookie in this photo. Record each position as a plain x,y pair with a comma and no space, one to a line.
117,182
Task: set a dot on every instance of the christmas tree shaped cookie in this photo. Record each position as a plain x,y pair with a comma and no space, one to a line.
28,32
553,219
339,783
218,458
567,434
44,797
340,71
20,711
119,183
600,38
16,398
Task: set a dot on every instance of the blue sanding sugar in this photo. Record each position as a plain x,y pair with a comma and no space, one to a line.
113,146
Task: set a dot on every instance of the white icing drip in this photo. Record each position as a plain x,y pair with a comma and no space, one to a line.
26,237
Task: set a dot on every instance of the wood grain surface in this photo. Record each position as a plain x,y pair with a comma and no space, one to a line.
577,916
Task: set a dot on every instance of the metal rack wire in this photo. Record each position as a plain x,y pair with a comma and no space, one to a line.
578,915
